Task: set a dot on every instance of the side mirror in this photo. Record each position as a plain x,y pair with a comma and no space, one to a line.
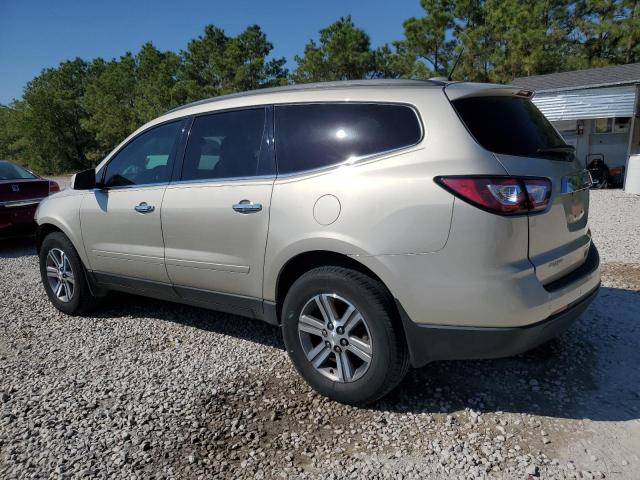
85,180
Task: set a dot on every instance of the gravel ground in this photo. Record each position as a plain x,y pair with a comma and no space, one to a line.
63,180
148,389
614,218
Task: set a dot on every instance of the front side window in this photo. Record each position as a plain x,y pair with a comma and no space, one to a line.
318,135
145,159
224,145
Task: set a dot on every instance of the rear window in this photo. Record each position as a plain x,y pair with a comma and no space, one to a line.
511,125
318,135
9,171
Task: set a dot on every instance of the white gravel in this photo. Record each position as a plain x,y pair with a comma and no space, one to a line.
63,180
614,218
147,389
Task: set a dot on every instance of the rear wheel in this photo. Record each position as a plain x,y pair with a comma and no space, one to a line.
339,330
63,275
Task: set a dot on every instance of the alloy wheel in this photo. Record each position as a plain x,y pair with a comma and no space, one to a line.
335,337
60,275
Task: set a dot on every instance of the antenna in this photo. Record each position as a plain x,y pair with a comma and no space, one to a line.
456,63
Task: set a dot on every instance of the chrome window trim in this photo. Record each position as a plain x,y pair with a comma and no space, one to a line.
350,161
222,180
128,187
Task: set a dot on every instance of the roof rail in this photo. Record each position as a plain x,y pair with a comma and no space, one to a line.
318,86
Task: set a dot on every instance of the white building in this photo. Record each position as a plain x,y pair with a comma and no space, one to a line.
595,110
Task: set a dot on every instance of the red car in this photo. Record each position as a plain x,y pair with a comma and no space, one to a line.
20,193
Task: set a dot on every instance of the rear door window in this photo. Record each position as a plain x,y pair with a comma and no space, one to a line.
225,145
511,125
318,135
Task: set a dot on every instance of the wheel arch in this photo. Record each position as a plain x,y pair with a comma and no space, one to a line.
49,225
306,261
42,231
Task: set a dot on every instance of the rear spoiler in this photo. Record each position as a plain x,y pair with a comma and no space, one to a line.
457,90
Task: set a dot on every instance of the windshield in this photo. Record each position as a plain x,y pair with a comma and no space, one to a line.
512,125
10,171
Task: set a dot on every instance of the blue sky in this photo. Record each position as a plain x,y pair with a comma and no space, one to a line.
36,34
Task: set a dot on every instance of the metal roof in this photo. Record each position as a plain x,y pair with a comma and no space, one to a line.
590,78
609,102
321,86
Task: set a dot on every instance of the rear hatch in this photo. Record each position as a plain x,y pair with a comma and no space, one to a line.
504,121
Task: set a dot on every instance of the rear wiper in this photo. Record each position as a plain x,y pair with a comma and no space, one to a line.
557,149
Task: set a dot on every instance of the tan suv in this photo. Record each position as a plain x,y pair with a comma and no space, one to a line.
381,224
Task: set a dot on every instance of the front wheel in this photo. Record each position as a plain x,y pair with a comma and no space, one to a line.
63,276
339,330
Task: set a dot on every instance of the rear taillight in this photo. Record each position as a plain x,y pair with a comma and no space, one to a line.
501,195
53,187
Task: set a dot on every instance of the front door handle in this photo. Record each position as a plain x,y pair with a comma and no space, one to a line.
245,206
143,207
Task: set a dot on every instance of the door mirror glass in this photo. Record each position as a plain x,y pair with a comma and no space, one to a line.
84,180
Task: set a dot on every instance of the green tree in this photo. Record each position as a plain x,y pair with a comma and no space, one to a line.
607,32
13,143
53,116
156,78
215,64
427,39
475,41
128,92
343,53
630,32
246,61
110,104
529,37
397,63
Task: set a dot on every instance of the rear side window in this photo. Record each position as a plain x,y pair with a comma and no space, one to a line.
224,145
511,125
318,135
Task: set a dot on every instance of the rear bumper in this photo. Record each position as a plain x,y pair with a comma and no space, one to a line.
438,342
480,296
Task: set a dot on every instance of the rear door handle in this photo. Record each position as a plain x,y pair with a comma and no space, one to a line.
245,206
143,207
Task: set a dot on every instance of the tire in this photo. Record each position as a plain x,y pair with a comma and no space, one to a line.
377,330
81,300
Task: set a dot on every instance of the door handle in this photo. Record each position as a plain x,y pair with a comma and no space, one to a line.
245,206
143,207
